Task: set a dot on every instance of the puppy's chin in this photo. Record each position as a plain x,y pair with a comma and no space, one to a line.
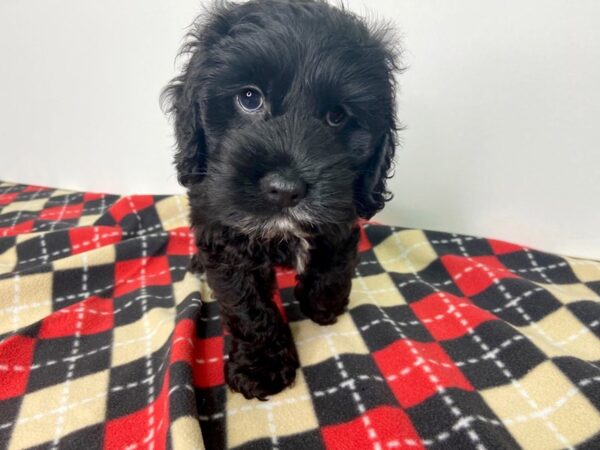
281,226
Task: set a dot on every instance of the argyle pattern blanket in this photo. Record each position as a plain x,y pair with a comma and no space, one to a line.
450,341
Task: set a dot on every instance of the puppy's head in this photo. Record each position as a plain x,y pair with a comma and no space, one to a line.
284,115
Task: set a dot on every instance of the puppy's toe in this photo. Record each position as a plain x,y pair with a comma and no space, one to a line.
320,316
260,375
321,309
259,383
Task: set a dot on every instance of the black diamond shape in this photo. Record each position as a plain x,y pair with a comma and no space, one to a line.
539,267
129,385
381,327
368,265
54,358
130,307
503,349
527,303
333,396
67,286
378,233
448,244
435,422
582,374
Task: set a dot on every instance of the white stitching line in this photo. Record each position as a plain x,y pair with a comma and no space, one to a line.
366,421
195,303
501,366
443,435
49,215
152,374
18,215
21,368
440,389
542,274
36,214
43,247
106,393
583,330
59,424
62,212
440,437
509,421
68,310
413,247
511,304
138,232
149,439
272,403
272,429
96,238
543,413
586,328
11,188
117,310
99,290
402,255
508,342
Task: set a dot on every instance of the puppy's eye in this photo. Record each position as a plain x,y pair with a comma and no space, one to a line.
336,117
250,100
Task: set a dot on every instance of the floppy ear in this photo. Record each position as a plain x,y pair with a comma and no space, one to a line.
370,189
180,101
181,97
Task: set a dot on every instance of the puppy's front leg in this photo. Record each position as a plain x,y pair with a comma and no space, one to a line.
262,359
323,289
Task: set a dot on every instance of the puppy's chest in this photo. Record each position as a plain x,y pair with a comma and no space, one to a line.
293,252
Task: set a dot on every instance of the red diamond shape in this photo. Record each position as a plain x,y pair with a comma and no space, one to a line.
381,425
62,212
417,370
90,316
474,275
447,316
84,239
130,274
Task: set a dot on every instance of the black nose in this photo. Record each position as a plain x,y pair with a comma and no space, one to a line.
283,190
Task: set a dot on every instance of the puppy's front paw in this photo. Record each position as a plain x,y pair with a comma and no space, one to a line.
258,373
319,306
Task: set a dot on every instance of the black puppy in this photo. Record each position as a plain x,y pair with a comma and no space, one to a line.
285,127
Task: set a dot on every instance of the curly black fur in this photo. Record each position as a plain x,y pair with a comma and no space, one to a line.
307,58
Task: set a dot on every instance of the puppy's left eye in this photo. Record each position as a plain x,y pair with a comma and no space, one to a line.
250,100
336,117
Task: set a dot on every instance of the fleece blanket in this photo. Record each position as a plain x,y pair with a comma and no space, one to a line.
450,341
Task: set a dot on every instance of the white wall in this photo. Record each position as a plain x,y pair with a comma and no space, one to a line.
501,103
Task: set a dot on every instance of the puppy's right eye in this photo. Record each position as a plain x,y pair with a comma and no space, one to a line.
250,100
336,117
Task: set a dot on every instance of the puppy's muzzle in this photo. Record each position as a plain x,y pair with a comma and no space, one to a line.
283,189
